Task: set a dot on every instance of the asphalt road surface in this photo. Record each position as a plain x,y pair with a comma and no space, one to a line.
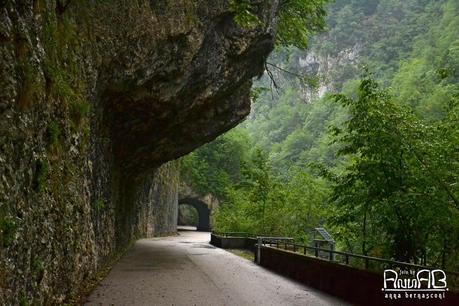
186,270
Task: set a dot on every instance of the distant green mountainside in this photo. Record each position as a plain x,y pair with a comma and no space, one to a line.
412,46
377,165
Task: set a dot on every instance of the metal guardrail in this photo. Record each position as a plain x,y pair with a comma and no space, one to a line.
270,240
237,234
369,263
287,243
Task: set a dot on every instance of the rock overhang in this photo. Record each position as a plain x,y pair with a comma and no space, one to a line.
189,84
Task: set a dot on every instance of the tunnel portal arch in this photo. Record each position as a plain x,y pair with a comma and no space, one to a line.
203,212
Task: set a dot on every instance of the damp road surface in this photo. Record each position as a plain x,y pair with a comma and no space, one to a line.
187,270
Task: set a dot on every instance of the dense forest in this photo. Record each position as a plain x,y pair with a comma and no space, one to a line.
355,130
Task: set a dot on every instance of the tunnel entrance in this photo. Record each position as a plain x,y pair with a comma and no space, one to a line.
187,215
194,212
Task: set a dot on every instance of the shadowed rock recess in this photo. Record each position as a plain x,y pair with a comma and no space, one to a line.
96,97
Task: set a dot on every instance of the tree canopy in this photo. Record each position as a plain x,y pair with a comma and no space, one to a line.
359,133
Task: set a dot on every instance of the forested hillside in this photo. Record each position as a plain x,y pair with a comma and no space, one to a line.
358,133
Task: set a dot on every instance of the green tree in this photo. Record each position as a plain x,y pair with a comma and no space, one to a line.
297,19
217,165
395,193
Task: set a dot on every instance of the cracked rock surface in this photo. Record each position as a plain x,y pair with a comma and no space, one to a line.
97,99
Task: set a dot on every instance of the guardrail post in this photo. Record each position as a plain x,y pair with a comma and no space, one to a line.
304,250
366,263
316,252
347,259
294,247
259,250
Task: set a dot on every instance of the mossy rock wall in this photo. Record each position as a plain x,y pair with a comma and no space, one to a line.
97,98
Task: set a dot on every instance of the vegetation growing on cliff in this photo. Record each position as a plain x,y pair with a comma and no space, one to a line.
375,159
297,19
96,95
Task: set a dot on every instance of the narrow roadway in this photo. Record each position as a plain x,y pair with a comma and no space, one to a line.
186,270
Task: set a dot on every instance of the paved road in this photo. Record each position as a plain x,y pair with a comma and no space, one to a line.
186,270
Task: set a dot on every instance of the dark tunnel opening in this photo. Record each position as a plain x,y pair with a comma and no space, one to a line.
194,212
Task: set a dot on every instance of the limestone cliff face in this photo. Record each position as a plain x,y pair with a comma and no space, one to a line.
316,64
95,97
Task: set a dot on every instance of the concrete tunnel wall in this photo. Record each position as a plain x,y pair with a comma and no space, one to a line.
203,212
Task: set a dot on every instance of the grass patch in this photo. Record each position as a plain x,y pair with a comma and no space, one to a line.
41,175
53,132
8,229
79,109
23,299
99,204
243,253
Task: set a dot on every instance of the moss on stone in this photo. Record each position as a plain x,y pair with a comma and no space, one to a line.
23,299
38,268
41,175
30,85
53,133
62,66
114,60
8,228
78,110
99,204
